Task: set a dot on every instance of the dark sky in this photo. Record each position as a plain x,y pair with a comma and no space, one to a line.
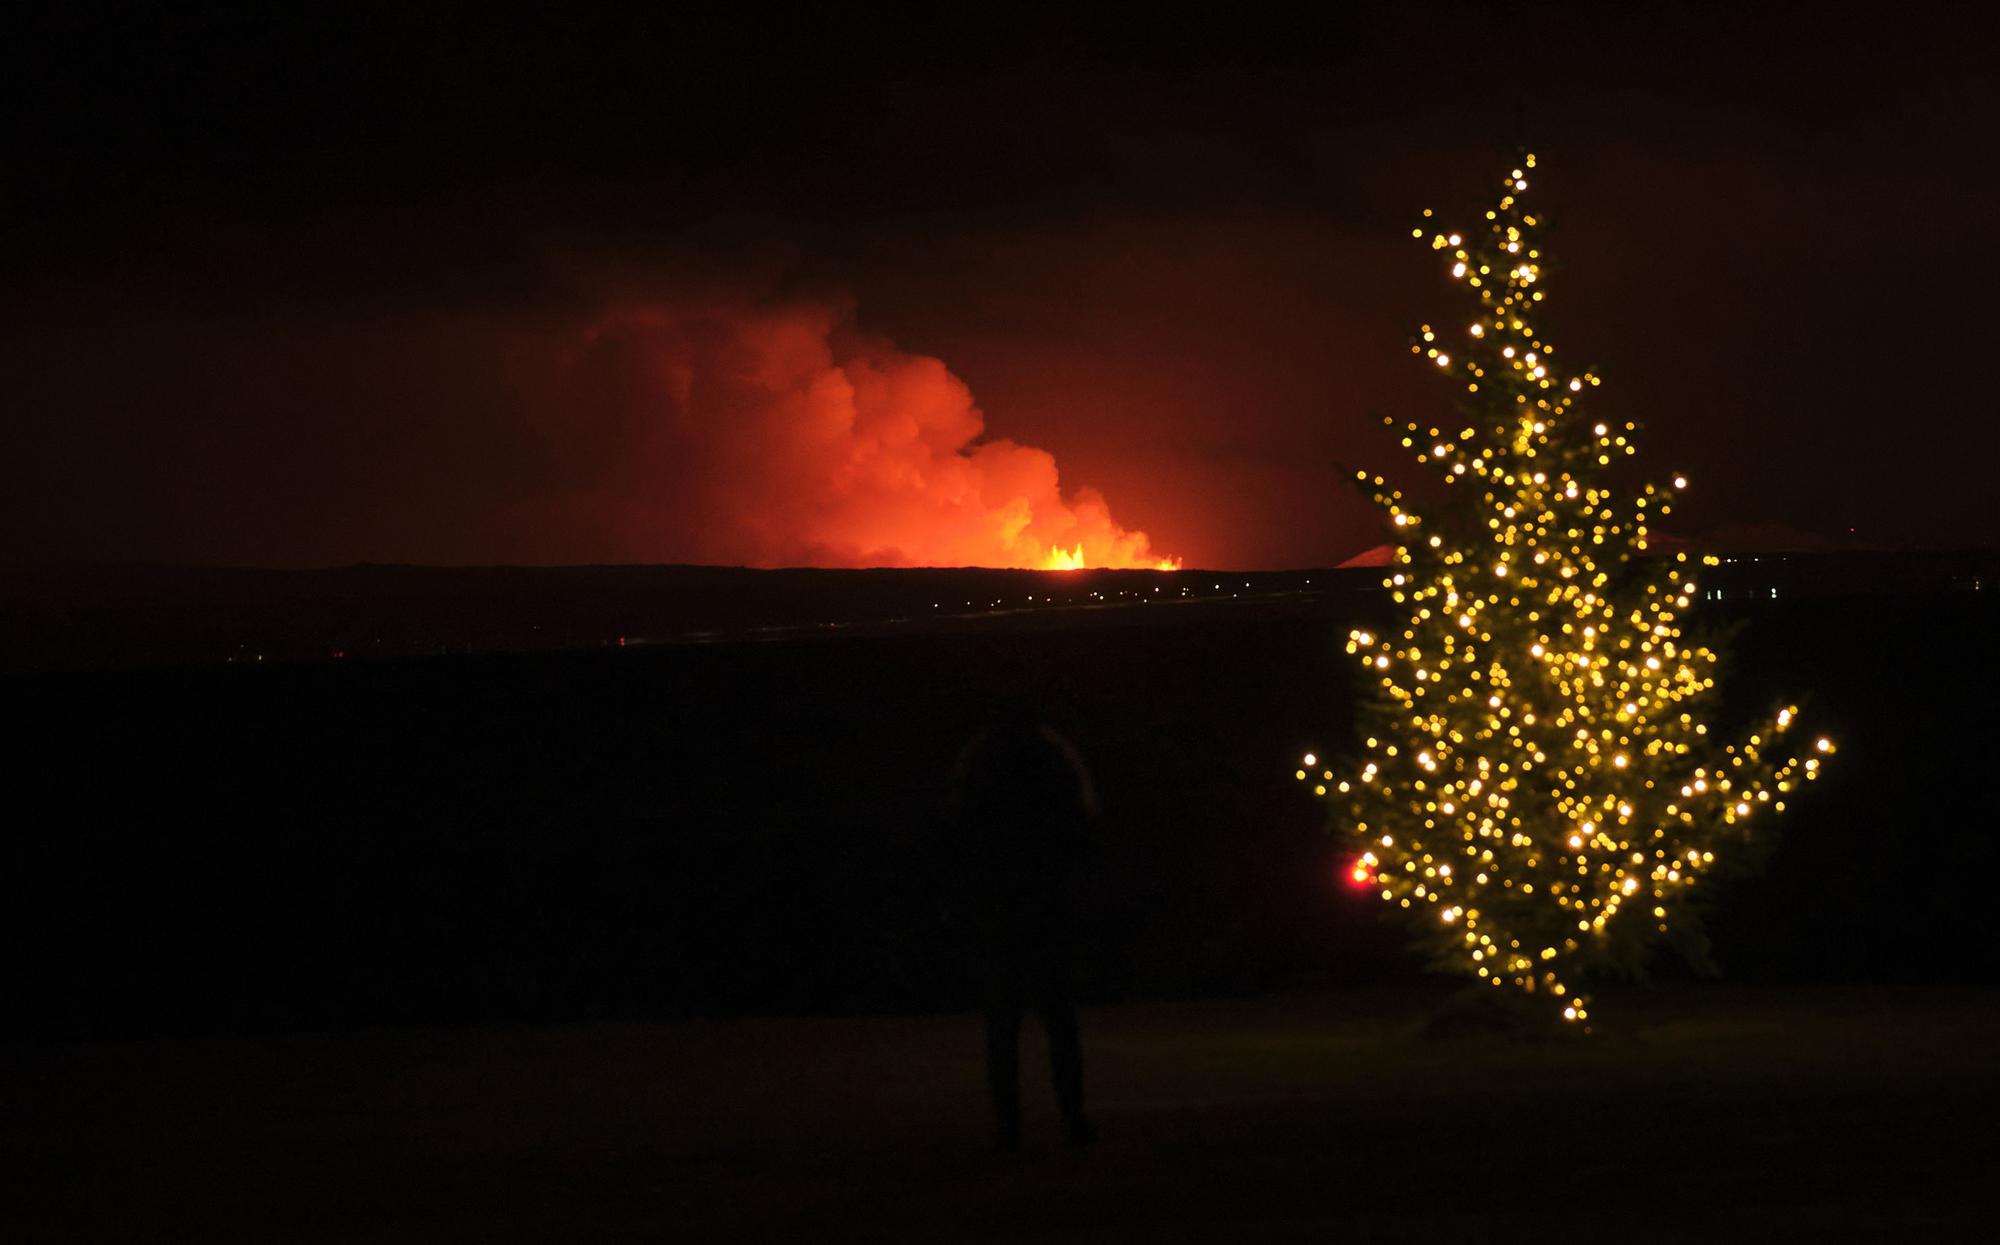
286,290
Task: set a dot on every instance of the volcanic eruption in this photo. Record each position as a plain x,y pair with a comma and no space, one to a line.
784,436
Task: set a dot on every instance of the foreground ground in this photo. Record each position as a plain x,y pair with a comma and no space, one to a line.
1738,1113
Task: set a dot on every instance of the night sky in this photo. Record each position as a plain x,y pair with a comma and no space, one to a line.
293,291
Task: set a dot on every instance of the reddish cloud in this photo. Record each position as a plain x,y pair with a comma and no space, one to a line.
716,430
782,436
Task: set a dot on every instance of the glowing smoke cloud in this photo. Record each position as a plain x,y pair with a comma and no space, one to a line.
780,436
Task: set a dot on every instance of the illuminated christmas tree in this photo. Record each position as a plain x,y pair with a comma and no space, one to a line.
1538,788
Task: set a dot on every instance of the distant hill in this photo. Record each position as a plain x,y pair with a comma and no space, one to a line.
135,616
111,617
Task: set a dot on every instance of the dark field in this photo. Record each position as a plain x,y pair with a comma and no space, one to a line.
382,950
1723,1114
752,829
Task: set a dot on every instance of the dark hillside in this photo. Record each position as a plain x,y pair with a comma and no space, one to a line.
751,828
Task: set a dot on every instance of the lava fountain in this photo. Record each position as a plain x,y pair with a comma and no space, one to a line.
1075,559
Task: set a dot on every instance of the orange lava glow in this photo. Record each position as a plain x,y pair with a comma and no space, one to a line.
784,436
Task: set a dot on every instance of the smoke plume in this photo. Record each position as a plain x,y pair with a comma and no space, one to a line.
783,436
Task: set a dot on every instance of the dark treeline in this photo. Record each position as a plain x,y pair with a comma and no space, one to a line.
754,828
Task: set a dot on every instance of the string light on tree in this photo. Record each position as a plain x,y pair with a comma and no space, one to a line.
1538,788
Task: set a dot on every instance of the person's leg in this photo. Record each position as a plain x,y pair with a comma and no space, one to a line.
1066,1065
1003,1070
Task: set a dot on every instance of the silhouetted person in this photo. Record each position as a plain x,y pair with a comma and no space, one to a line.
1023,802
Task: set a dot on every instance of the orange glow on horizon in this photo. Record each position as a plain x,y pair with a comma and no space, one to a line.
781,435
